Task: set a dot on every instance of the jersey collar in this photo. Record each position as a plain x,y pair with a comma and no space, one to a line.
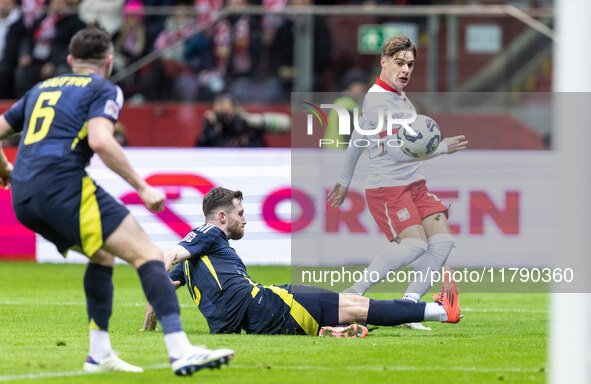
222,233
386,86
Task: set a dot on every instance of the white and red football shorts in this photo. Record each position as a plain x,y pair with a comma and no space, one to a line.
397,208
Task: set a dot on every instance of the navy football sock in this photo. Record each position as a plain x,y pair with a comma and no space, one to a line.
395,312
98,286
161,294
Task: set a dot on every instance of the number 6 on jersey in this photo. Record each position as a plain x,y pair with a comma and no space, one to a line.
40,112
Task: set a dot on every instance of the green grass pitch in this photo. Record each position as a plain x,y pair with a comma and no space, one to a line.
44,338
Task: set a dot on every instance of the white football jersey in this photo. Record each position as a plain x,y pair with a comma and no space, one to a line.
388,165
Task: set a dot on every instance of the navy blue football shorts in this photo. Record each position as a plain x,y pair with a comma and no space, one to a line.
291,310
73,213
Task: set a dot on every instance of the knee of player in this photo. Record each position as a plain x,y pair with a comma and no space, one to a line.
102,257
441,239
146,254
410,249
154,254
416,244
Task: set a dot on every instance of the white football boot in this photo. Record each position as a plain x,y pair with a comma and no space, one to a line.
110,364
198,358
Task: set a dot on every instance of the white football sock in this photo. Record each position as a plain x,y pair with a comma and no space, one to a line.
100,345
440,246
435,312
411,296
177,344
392,258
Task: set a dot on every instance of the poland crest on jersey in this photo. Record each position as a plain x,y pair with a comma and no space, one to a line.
403,214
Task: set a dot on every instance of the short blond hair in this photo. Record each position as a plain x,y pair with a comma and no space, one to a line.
397,44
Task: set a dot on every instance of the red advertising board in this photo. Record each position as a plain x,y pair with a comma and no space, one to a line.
16,241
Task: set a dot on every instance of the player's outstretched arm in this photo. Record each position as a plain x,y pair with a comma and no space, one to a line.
174,256
102,142
5,165
337,195
171,257
448,145
5,170
456,143
5,129
150,320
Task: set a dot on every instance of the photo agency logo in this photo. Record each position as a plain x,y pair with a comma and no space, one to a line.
388,123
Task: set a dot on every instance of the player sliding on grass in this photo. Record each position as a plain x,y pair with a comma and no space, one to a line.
63,121
396,193
231,301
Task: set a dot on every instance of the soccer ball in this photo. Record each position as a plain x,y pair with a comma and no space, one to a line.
425,142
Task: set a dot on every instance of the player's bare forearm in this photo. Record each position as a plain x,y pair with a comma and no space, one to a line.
150,320
3,159
169,260
114,158
5,170
456,143
5,129
337,195
102,142
174,256
5,165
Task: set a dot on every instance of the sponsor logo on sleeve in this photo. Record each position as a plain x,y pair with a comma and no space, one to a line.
190,236
112,109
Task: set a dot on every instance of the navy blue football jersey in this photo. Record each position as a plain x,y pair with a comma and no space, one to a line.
215,268
53,116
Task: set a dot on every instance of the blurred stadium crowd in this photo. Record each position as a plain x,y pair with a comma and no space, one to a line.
237,53
211,51
250,56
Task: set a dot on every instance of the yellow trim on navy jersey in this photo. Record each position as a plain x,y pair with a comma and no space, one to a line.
93,326
188,274
297,311
255,291
255,288
197,295
211,269
91,229
81,135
